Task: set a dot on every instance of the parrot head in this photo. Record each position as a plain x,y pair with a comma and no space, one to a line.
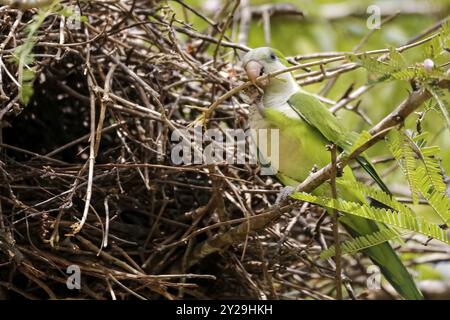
264,60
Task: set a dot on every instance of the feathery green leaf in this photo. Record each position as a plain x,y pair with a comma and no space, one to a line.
362,242
398,219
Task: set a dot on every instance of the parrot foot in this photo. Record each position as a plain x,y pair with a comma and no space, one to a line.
283,195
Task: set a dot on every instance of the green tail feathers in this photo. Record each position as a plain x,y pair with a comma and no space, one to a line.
368,167
385,258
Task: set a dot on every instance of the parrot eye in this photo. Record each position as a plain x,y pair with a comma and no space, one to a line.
273,56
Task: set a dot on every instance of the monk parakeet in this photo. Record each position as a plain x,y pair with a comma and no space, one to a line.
305,127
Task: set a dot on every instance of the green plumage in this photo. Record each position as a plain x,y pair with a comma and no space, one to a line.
305,127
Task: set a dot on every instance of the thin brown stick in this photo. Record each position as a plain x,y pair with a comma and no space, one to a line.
337,241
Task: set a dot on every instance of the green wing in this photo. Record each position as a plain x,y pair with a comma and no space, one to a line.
317,116
310,109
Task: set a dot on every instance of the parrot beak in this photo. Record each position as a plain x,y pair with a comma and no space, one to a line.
253,70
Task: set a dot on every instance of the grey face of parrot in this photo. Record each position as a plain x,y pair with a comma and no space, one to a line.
277,90
260,61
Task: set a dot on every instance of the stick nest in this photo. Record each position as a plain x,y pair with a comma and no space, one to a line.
94,140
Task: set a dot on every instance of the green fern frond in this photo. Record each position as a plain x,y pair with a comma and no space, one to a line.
427,156
429,176
442,103
437,44
398,219
363,242
420,138
395,68
433,168
374,66
404,75
401,149
438,200
445,34
424,174
433,48
396,60
376,194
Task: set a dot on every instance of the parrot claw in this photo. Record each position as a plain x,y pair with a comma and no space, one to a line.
285,192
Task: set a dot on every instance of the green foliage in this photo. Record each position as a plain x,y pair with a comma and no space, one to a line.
394,66
23,54
400,147
422,170
381,69
383,235
377,195
428,272
401,219
396,60
425,176
363,242
442,104
436,47
23,57
26,79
